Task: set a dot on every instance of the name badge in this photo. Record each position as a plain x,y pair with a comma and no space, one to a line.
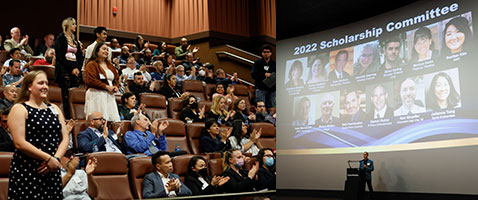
53,110
102,76
154,143
266,68
368,164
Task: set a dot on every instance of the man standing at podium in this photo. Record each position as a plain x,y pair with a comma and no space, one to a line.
366,168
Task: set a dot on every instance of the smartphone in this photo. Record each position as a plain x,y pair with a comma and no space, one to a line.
80,155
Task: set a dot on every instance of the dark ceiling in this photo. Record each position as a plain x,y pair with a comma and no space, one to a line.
300,17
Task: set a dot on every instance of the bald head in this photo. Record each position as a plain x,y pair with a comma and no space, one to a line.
95,120
10,92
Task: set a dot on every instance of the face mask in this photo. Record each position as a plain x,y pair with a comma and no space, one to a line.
269,162
203,172
239,163
202,73
194,105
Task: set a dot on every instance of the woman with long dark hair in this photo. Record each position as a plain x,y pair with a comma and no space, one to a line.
198,179
242,138
442,93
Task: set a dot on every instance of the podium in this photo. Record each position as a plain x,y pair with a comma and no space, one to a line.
352,183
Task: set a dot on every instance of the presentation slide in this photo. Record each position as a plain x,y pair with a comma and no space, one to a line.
410,79
401,85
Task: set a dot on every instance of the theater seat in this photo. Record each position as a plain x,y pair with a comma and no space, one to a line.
80,125
209,90
215,167
111,174
49,70
195,87
175,106
208,105
242,91
194,133
176,135
138,168
268,136
156,106
54,96
180,164
77,103
5,158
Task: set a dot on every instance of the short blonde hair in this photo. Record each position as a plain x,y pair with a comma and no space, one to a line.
67,23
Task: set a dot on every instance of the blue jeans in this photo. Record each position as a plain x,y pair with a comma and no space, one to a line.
268,97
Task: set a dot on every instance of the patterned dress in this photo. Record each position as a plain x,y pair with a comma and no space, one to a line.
42,130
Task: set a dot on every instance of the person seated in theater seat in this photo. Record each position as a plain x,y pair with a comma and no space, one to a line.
169,88
129,107
199,181
125,54
191,112
131,68
262,115
78,183
115,46
181,75
211,140
48,42
162,182
242,138
218,111
6,142
141,140
205,75
15,54
14,76
140,45
221,77
19,42
139,85
161,51
183,49
10,94
266,176
49,58
229,95
240,180
189,62
239,108
158,74
147,59
97,134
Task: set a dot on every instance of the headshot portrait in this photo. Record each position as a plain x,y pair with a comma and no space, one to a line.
457,35
422,43
411,95
302,111
318,64
352,111
328,110
366,58
392,52
443,92
295,72
342,64
379,101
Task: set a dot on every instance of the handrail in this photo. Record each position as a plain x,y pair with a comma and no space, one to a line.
235,56
242,80
246,52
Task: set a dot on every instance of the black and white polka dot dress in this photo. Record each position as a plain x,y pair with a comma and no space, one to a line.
42,130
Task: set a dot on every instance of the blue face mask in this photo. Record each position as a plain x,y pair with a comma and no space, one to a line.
269,162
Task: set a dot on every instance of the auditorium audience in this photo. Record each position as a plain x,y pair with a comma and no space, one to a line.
49,58
131,68
240,112
129,107
266,176
6,142
141,140
69,60
242,138
102,82
147,59
123,57
1,43
198,179
218,111
10,94
101,35
262,115
115,46
162,182
221,77
213,141
16,41
14,76
229,96
205,76
161,51
146,75
169,88
170,62
158,74
189,62
191,112
78,183
15,54
48,43
240,179
97,134
183,49
139,85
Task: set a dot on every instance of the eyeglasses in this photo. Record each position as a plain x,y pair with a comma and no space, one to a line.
261,106
102,119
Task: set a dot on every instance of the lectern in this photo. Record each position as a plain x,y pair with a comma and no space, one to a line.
352,184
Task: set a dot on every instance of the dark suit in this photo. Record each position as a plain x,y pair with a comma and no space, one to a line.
334,121
358,117
238,183
88,137
153,186
388,113
333,76
195,185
